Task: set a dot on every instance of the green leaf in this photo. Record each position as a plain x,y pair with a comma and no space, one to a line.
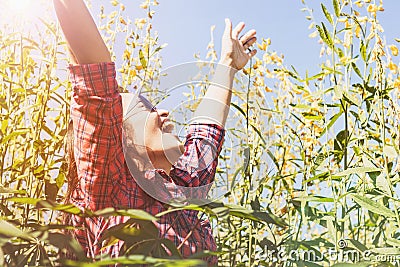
336,7
319,159
357,170
61,241
24,200
332,121
372,205
319,199
260,216
340,144
352,100
363,51
142,59
340,52
4,190
137,214
356,70
246,154
4,125
132,213
393,242
60,179
170,246
239,109
14,134
138,259
359,264
387,251
356,244
11,231
302,106
216,208
327,14
316,76
67,208
258,132
320,177
324,34
307,264
313,117
383,184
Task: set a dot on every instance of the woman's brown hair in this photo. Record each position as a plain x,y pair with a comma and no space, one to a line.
72,173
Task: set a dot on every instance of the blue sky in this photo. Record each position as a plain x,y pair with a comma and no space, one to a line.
185,26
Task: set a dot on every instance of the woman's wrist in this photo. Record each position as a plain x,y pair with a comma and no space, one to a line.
228,63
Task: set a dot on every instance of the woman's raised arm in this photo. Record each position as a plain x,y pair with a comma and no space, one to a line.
83,38
96,111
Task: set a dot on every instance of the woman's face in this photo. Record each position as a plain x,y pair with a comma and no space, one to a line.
153,130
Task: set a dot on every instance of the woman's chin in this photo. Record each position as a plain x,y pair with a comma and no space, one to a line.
172,147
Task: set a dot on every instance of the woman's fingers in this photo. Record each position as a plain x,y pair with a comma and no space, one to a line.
248,36
252,53
228,28
237,30
249,43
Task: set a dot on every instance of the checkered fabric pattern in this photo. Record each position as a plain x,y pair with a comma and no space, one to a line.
104,177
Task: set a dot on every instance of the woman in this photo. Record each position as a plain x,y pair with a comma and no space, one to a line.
103,177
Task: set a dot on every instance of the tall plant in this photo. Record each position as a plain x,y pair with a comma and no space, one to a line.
335,146
310,167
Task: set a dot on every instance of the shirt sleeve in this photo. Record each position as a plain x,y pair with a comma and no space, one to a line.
96,110
197,166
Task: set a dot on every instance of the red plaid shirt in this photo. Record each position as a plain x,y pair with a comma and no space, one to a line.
104,177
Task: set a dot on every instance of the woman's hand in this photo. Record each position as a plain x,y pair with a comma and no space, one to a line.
235,52
84,40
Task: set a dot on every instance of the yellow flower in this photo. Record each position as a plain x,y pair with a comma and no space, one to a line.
372,8
113,14
257,64
144,5
397,83
297,91
276,59
122,21
140,23
358,31
345,60
394,49
392,66
313,34
126,55
262,46
259,81
132,73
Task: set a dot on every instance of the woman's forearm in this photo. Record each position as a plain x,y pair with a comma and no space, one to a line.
214,107
80,30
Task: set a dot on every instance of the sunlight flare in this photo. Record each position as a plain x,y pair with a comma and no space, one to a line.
13,11
18,6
